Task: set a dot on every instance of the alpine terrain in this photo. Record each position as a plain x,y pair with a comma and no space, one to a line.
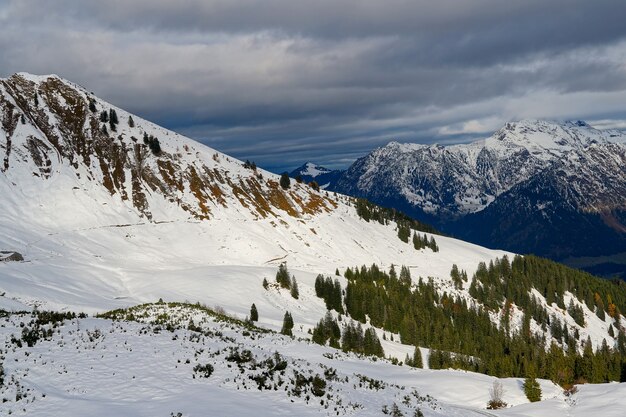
145,274
324,177
553,189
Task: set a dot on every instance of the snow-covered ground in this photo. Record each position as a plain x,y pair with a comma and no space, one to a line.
87,249
101,367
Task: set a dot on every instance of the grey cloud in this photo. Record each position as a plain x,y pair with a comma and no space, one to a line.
284,81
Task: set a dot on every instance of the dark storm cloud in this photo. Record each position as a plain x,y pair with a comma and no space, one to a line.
283,81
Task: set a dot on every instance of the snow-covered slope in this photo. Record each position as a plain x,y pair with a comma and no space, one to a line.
107,213
104,222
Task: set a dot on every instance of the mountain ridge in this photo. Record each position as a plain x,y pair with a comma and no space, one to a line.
458,187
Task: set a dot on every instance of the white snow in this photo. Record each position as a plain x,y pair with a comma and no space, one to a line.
88,250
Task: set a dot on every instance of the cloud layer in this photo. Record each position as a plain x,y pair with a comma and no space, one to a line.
284,81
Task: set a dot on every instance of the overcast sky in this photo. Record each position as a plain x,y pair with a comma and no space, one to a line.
282,82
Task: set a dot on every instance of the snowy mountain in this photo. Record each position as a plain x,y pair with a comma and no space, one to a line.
555,189
312,172
102,210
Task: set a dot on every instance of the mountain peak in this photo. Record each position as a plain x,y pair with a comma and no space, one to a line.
56,130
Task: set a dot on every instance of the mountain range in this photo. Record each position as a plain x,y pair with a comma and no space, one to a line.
132,257
548,188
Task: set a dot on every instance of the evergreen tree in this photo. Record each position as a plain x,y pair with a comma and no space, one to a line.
352,339
327,330
456,277
417,358
433,245
154,145
113,117
104,116
285,182
287,325
532,389
403,233
104,129
371,344
417,241
295,293
131,122
254,314
282,276
92,106
265,283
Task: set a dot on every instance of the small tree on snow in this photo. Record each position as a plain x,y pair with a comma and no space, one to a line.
282,276
295,293
287,324
254,314
285,182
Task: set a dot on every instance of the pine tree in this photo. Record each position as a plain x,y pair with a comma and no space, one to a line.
532,389
456,277
104,129
285,182
403,233
433,245
265,283
254,314
287,325
131,122
295,293
282,276
371,344
417,362
113,117
104,116
92,106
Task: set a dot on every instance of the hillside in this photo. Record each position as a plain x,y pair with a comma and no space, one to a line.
548,188
104,221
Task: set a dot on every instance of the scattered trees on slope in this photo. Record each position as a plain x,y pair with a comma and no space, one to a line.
369,211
